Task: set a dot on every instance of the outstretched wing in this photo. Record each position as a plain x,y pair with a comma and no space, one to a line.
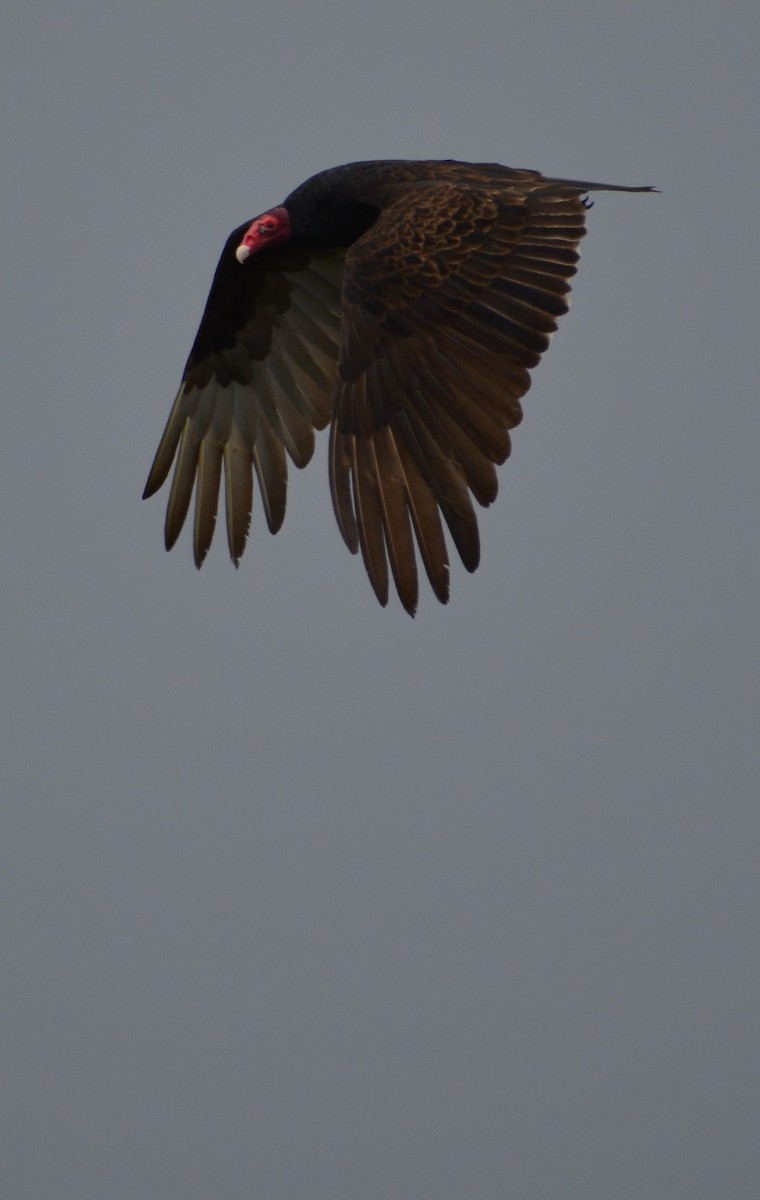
448,301
258,382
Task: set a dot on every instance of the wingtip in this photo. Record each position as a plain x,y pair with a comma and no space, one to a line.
151,487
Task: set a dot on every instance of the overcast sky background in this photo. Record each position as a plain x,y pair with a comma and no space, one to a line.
302,898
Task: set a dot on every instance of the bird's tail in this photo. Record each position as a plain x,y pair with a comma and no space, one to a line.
582,185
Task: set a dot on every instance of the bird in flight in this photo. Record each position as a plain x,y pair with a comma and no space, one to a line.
403,304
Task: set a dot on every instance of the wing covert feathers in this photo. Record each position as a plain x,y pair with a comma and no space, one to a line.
441,390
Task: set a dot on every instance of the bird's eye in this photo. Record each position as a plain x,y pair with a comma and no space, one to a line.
267,227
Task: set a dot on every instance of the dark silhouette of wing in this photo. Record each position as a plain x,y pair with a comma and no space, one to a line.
258,381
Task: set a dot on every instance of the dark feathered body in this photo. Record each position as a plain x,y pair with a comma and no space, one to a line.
403,303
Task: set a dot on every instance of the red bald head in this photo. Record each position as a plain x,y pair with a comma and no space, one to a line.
267,230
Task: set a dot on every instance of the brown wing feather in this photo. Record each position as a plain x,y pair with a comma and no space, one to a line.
448,301
238,492
258,381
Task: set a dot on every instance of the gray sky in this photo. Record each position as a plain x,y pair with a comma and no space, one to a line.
302,898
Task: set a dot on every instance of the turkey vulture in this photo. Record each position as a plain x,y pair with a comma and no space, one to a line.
403,303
